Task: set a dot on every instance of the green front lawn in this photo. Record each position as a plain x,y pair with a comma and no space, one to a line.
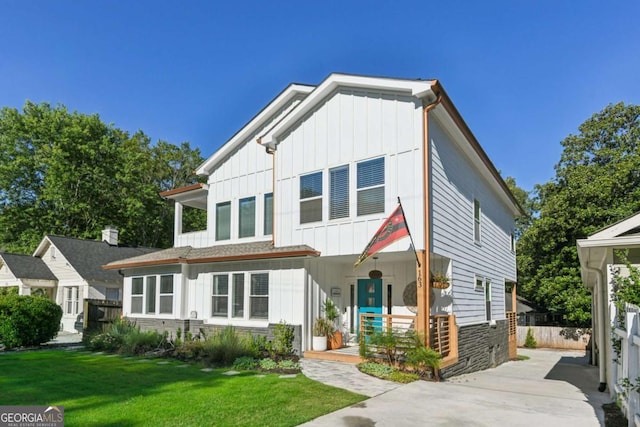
101,390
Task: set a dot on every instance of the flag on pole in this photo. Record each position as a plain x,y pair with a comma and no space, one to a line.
394,228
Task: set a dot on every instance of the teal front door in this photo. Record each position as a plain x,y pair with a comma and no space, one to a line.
370,301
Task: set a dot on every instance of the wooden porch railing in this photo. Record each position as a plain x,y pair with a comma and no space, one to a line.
512,321
444,332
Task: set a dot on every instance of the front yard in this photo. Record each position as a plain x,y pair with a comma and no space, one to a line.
109,390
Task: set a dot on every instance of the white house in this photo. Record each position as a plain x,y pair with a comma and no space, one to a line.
69,270
295,195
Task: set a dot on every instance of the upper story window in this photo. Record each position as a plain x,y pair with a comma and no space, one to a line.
370,186
268,214
476,220
339,192
223,221
247,217
311,198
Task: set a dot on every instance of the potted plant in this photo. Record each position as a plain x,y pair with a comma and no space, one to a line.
332,315
322,328
439,281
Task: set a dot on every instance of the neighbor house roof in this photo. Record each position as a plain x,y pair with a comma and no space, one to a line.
27,267
219,253
88,256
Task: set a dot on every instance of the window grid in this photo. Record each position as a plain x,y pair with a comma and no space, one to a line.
71,300
311,198
166,294
370,186
259,296
220,296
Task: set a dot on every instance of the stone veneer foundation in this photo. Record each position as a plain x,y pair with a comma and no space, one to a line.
480,346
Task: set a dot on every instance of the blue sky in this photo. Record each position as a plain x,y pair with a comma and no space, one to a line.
524,75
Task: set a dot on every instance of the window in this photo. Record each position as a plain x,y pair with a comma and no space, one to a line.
370,185
220,296
137,288
259,296
166,294
476,220
223,221
247,217
71,300
487,298
268,214
238,295
311,198
512,238
339,192
112,294
151,295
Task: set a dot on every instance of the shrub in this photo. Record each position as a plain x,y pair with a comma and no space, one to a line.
403,377
258,346
288,364
27,320
268,364
139,342
385,343
322,327
422,359
530,341
245,363
282,345
375,369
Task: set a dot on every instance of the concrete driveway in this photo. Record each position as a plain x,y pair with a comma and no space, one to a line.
553,388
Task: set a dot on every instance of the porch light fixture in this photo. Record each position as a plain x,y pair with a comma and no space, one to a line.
375,273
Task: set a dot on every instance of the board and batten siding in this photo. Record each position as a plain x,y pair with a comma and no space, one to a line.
348,127
455,184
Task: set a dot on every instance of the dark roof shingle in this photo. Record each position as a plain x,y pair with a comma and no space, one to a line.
27,267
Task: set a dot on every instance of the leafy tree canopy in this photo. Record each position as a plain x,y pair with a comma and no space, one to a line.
71,174
597,183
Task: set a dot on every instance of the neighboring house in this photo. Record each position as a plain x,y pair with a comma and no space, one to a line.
68,270
530,314
294,197
598,261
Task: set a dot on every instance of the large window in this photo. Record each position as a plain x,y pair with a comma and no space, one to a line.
223,221
311,198
220,296
71,300
476,220
259,296
370,186
268,214
339,192
247,217
137,291
242,296
166,294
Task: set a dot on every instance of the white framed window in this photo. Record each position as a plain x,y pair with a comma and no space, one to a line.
477,215
268,214
339,192
311,198
137,294
71,302
150,294
166,294
223,221
220,296
370,186
241,296
247,217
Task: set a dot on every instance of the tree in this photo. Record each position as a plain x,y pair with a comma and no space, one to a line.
71,174
597,183
527,204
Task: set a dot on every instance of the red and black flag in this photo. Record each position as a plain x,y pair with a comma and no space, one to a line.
394,228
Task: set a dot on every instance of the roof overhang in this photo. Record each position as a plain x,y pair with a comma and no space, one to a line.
254,125
194,195
417,88
593,251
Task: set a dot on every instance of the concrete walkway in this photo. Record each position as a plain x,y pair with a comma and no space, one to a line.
553,388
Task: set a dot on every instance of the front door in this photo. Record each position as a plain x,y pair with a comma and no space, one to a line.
370,300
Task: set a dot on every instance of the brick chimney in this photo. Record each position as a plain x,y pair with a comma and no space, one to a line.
110,235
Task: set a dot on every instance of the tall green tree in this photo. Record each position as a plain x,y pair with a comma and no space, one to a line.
597,183
526,202
71,174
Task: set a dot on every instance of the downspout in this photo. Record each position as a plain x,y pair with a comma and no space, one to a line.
602,327
424,269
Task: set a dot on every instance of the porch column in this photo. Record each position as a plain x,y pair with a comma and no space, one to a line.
424,303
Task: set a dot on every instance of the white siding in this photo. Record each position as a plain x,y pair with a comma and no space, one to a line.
455,185
349,127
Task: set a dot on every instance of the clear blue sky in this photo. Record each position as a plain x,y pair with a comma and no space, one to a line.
524,75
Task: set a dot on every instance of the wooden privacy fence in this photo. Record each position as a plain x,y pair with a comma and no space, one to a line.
512,322
625,363
100,313
567,338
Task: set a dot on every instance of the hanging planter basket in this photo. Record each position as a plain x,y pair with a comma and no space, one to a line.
439,281
440,285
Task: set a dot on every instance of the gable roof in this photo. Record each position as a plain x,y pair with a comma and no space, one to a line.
27,267
88,256
259,120
625,227
219,253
